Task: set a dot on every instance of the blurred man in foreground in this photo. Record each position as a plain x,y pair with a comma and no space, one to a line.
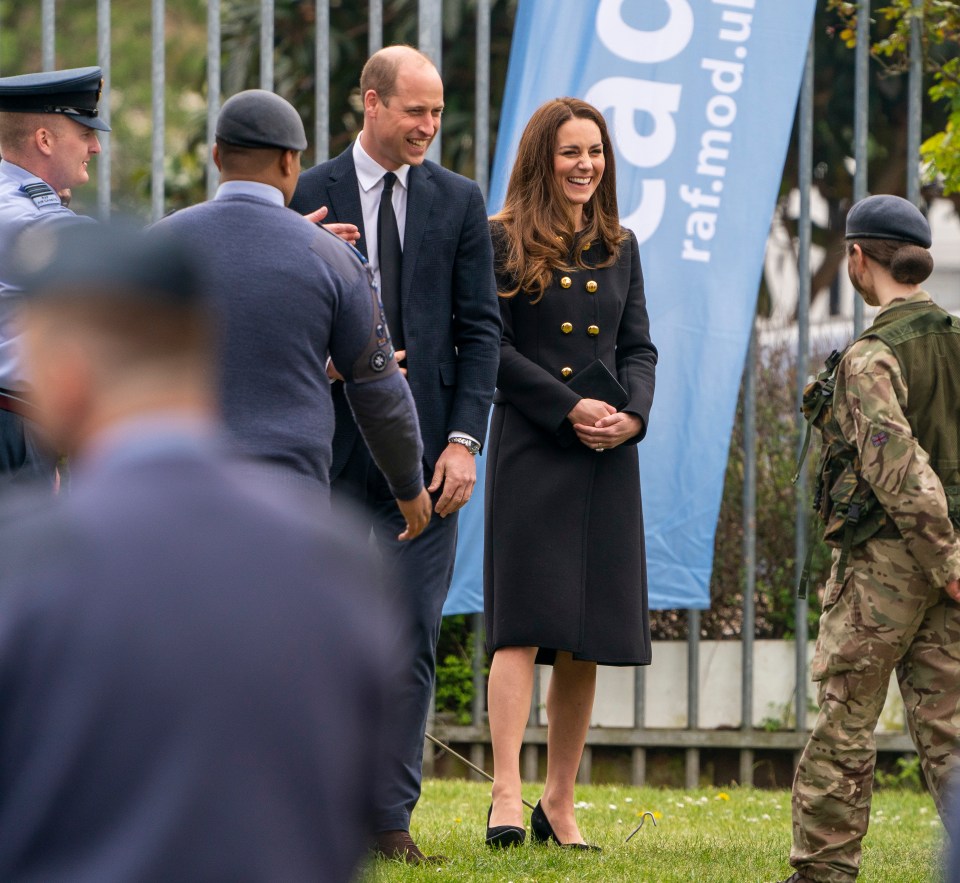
193,658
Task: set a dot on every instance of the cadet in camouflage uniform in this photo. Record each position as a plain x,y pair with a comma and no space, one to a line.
889,493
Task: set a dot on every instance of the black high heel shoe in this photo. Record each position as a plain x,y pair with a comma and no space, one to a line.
504,835
541,830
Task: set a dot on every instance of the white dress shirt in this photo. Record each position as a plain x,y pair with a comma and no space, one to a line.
370,178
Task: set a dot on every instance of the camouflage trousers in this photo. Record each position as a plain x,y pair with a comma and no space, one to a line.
883,616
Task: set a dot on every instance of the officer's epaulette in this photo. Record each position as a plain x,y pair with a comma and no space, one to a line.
41,193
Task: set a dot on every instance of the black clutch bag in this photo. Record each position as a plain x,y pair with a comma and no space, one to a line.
596,382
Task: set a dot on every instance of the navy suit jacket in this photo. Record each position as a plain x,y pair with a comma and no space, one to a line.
448,296
194,675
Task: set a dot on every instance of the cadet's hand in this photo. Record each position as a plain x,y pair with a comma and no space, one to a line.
609,431
416,513
347,232
457,472
400,356
952,588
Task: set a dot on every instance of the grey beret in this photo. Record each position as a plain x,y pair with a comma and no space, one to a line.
888,217
257,118
119,259
74,92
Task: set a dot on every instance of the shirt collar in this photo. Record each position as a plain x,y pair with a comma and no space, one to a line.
18,173
250,188
369,171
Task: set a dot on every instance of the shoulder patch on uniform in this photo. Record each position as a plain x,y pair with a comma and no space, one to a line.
378,361
879,439
341,256
41,193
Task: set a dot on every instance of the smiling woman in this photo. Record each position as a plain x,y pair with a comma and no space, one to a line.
579,163
564,528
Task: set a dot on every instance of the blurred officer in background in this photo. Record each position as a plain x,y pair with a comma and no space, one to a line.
48,134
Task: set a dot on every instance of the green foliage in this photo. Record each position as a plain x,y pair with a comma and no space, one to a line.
455,689
940,38
707,834
907,775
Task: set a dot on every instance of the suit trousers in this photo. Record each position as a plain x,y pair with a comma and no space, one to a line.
21,460
421,571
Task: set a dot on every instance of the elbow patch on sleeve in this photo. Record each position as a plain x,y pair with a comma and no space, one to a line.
886,456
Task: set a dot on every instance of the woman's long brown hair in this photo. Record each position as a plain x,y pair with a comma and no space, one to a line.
536,215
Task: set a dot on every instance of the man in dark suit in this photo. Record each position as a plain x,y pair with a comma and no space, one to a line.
424,230
194,658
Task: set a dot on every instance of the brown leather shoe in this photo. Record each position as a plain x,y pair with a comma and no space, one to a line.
797,877
399,846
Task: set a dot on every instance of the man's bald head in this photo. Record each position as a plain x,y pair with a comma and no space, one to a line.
380,71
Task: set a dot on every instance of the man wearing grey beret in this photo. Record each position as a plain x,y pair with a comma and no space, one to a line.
288,295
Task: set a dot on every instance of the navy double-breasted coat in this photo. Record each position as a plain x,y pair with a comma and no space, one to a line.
564,550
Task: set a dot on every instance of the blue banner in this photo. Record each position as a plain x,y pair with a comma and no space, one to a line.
699,96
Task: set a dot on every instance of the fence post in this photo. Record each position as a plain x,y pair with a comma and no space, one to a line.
749,550
104,60
860,125
479,691
692,765
321,74
803,345
266,44
158,74
430,39
213,91
48,34
914,104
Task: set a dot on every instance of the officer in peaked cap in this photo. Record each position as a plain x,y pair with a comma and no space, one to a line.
48,133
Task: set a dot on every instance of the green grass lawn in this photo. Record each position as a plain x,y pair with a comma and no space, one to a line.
737,834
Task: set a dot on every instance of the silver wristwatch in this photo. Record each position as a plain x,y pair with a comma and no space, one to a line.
472,446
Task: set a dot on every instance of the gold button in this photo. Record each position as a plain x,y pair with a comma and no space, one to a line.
566,372
566,282
593,330
591,286
566,327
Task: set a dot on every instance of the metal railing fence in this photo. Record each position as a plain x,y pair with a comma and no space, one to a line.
638,738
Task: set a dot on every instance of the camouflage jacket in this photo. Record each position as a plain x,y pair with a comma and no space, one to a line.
870,404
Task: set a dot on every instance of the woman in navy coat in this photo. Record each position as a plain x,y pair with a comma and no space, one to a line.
564,568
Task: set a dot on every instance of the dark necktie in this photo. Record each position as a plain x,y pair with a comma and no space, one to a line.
391,255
